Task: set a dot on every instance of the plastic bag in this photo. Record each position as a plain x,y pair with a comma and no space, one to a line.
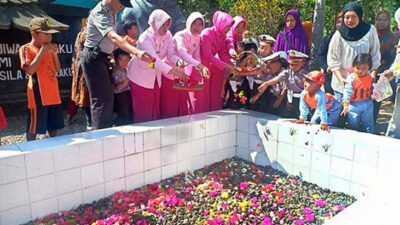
382,89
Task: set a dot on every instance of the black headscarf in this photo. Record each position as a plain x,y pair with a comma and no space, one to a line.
360,30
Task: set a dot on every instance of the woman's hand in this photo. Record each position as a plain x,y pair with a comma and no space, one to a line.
182,76
144,56
204,70
388,74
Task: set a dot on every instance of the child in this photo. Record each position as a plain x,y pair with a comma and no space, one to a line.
293,80
266,43
3,121
39,59
357,102
131,30
122,92
271,102
327,108
239,48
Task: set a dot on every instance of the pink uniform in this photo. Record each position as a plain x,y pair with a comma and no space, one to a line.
146,81
187,47
213,43
232,38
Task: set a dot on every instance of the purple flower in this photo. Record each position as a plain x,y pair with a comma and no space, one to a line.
307,211
243,185
338,208
213,193
299,222
320,203
310,218
267,221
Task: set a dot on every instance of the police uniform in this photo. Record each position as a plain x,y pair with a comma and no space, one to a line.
96,65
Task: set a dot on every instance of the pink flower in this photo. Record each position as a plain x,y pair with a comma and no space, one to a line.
307,211
281,213
310,218
189,206
224,205
280,201
243,185
338,208
205,214
267,221
293,181
264,197
320,203
268,188
213,193
299,222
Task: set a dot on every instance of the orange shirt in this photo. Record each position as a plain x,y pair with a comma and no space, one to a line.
46,75
362,88
312,102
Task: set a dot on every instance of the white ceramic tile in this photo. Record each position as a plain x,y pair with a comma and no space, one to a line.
169,155
184,166
93,193
168,136
39,163
322,142
169,171
226,140
243,153
198,147
114,169
242,139
211,158
42,187
114,186
152,139
184,151
343,145
66,157
44,208
364,174
152,176
302,156
198,162
304,135
321,162
92,175
284,166
134,181
260,158
70,200
113,147
221,155
270,149
285,152
12,169
198,129
19,215
339,185
232,123
231,152
211,144
152,159
91,152
243,123
223,124
253,124
255,143
287,132
211,126
14,194
134,164
129,144
319,178
359,191
68,180
388,154
270,129
301,171
341,168
366,151
139,142
183,132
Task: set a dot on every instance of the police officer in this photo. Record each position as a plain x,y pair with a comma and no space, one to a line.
101,40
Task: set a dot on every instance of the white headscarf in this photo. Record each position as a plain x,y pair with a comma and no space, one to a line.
157,18
192,17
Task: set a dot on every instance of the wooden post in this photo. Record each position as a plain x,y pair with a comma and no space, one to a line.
318,31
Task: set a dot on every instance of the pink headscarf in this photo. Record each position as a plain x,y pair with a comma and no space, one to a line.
235,38
193,17
221,20
156,19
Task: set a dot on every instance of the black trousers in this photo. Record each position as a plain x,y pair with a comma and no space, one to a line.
98,78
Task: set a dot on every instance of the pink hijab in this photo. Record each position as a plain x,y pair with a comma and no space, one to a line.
231,34
156,19
221,20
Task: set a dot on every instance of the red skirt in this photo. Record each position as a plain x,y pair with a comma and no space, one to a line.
199,100
173,102
145,103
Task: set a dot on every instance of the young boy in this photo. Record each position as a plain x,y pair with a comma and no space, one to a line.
266,43
357,102
122,92
327,109
39,59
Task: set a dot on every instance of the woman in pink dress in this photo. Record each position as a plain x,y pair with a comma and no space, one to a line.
213,41
234,35
146,77
187,47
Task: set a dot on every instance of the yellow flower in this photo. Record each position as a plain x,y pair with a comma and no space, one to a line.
398,67
315,196
224,195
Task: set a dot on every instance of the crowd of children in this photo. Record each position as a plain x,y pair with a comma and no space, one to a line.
213,68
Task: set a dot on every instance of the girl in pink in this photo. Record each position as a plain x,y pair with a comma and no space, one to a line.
146,77
213,41
187,47
234,35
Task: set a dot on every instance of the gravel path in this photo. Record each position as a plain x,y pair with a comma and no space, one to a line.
15,131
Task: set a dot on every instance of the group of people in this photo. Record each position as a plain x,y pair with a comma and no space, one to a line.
160,75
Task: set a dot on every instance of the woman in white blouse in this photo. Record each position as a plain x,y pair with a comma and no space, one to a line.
354,37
